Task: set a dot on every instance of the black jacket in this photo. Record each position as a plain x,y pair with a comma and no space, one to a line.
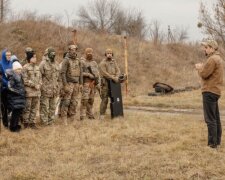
16,91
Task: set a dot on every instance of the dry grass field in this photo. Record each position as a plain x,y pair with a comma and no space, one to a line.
184,100
141,145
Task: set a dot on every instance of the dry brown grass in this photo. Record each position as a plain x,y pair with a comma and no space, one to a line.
140,146
184,100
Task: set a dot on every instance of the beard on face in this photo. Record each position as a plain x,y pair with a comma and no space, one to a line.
89,56
72,54
109,57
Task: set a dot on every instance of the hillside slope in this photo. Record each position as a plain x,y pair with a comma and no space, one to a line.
171,63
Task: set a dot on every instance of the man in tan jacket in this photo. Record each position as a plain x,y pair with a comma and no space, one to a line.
211,73
109,70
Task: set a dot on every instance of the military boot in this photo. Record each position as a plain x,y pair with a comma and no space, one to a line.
33,126
25,125
91,117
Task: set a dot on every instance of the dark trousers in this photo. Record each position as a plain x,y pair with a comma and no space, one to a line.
4,108
212,117
14,121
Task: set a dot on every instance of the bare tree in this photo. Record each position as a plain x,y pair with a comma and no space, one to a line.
213,25
156,34
135,24
100,15
182,34
177,35
120,22
109,16
4,9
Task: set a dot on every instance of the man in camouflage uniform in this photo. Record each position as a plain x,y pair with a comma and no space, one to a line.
91,80
109,70
32,81
72,80
50,86
28,54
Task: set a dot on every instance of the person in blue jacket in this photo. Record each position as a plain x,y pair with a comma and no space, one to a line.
5,64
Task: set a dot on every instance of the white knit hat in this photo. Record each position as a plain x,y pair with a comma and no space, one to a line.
16,65
13,57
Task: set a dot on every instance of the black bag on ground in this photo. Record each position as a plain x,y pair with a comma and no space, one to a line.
162,88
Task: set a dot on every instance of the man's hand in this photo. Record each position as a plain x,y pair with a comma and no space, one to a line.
199,66
91,76
115,79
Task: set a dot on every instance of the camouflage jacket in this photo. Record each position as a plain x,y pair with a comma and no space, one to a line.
32,80
71,71
109,69
90,67
50,78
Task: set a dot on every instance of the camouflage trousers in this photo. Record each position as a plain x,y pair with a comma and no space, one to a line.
69,100
104,98
87,100
47,109
30,111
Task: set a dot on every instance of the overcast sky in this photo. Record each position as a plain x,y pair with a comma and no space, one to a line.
176,13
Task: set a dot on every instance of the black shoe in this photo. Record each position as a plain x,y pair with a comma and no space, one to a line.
25,125
213,145
18,128
15,129
6,126
91,117
33,126
81,118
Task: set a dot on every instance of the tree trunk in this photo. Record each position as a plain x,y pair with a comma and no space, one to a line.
2,10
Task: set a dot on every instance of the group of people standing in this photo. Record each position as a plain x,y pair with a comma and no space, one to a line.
25,85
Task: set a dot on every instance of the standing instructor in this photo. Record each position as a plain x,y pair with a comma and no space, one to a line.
211,73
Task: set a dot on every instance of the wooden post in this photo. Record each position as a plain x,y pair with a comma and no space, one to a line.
75,36
126,62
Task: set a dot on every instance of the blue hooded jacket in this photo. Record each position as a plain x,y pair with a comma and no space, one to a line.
5,64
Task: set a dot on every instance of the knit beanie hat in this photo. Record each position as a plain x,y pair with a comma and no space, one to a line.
13,57
30,54
16,65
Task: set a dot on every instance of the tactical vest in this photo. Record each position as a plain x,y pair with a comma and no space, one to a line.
73,70
86,65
